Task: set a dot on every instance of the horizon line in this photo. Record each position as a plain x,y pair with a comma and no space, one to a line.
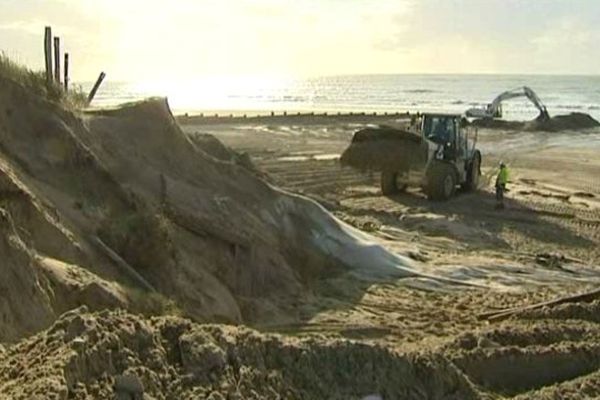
515,74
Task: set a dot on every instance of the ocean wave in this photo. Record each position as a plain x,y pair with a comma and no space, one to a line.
294,99
420,91
569,107
594,108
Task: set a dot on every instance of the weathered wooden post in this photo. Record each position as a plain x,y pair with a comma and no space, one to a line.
66,66
48,53
57,60
96,87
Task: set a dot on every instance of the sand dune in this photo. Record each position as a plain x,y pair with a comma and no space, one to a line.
211,235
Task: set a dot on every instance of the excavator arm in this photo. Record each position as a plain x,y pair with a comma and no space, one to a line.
494,109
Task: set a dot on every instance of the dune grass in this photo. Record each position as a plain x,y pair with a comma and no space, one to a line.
35,82
141,237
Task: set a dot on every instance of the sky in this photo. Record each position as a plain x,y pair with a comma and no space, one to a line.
146,40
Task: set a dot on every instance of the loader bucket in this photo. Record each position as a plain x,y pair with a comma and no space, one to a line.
385,149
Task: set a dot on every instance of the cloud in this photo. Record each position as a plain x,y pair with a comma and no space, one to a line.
566,32
508,36
154,39
31,27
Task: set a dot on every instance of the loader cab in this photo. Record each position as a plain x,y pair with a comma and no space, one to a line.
439,129
445,131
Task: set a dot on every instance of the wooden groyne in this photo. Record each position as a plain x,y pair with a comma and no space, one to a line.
290,117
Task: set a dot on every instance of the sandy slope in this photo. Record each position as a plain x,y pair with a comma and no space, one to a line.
209,236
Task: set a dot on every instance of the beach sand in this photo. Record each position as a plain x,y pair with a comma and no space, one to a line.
546,243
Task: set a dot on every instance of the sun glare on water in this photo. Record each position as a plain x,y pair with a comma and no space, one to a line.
216,92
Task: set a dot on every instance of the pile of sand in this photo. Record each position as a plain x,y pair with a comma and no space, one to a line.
573,121
547,353
385,149
112,207
83,355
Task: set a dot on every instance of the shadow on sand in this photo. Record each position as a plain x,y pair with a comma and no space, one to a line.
478,210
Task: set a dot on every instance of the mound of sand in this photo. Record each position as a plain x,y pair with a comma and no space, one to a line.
85,355
573,121
384,149
111,205
549,353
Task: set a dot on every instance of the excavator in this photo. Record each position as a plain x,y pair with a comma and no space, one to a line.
494,109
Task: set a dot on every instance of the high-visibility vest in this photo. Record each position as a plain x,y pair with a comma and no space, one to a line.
502,178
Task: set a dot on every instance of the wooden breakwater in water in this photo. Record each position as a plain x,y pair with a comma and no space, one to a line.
289,117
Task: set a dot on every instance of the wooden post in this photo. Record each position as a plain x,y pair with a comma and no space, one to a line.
498,315
66,78
117,259
48,53
57,60
95,88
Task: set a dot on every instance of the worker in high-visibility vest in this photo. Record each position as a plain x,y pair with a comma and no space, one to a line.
501,182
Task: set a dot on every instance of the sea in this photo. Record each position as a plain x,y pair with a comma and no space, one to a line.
360,93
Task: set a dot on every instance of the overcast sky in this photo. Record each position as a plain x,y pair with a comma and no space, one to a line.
160,39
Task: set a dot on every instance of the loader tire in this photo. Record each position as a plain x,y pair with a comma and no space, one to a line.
390,184
440,181
473,174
